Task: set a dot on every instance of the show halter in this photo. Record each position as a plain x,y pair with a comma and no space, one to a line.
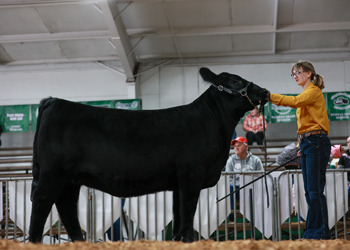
242,91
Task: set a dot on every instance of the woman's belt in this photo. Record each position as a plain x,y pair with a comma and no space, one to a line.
314,132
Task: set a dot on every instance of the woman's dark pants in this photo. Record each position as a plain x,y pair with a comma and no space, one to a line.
315,151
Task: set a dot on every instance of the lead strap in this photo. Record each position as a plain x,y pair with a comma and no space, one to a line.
267,191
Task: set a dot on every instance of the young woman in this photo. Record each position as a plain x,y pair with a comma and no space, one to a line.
315,147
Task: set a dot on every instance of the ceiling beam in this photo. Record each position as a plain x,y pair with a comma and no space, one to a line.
256,59
22,3
326,54
120,39
203,54
244,53
302,27
71,60
157,1
62,36
172,31
190,61
18,2
275,18
106,34
33,3
236,30
201,31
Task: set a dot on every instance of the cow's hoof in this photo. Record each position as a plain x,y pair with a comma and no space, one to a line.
177,237
187,239
34,240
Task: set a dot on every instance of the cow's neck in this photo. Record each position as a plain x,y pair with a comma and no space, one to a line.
229,111
225,116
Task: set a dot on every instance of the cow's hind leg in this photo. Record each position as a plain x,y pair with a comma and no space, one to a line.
67,206
42,200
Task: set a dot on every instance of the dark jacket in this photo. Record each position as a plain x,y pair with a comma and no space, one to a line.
344,162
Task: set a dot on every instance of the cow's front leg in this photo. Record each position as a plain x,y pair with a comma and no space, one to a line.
189,189
176,216
188,205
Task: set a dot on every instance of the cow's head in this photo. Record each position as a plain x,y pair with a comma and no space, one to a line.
250,93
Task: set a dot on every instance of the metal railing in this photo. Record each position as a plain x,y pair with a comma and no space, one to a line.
336,191
150,216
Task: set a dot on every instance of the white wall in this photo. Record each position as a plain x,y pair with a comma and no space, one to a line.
163,87
75,85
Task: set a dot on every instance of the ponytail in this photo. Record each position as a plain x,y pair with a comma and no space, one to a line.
318,80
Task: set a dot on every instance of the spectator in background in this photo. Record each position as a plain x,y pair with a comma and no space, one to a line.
241,161
336,151
253,125
348,144
344,162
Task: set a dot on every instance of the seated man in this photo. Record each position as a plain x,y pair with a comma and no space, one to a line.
241,161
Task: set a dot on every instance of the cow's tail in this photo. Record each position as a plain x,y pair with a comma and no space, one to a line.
44,103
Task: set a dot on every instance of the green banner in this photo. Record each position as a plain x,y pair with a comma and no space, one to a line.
132,104
101,104
16,118
1,123
34,110
280,114
338,106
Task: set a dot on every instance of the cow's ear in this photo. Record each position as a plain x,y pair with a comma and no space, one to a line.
207,75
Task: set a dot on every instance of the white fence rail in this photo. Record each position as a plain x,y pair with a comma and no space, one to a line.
150,216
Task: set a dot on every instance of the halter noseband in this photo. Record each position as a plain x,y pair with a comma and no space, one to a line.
242,91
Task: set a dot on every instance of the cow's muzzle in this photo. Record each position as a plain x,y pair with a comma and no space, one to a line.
266,93
264,100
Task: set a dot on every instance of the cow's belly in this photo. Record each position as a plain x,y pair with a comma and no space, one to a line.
210,182
212,176
125,187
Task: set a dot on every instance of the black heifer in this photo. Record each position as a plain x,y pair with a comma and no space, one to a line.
131,153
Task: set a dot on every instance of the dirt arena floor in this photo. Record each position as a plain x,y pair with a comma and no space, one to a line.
169,245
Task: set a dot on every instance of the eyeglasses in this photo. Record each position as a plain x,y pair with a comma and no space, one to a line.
297,73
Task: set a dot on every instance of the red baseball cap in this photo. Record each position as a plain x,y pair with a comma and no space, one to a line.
239,139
